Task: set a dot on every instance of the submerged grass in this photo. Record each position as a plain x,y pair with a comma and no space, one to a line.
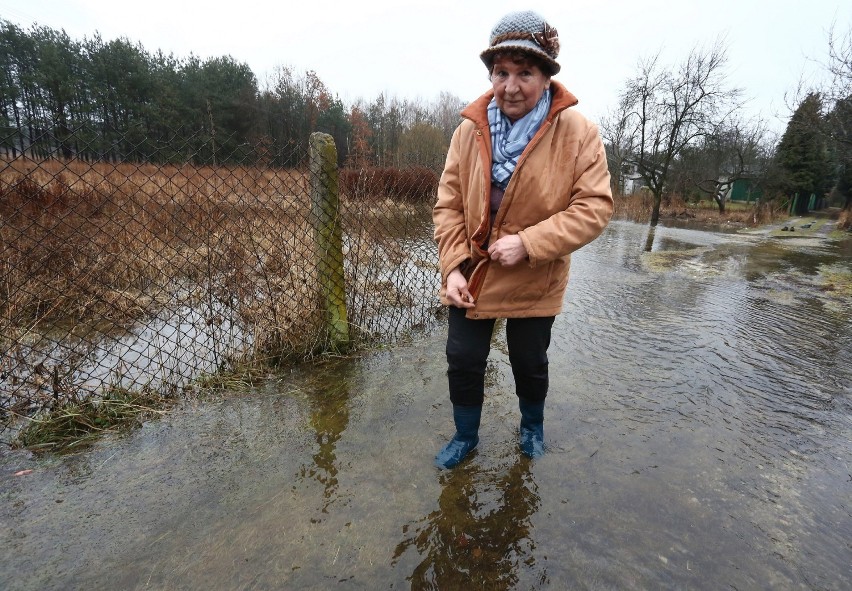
78,424
239,378
837,281
75,424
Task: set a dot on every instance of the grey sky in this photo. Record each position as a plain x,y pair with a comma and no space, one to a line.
418,49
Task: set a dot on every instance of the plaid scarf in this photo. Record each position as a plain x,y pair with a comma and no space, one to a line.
508,139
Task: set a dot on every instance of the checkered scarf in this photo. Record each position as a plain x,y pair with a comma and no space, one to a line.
508,139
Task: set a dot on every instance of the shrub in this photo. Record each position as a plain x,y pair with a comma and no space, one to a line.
414,185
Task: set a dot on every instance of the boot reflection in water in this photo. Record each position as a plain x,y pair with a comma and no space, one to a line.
479,535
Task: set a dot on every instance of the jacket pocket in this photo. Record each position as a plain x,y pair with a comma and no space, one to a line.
519,287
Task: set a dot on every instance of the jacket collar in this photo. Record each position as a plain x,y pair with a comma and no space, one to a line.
477,111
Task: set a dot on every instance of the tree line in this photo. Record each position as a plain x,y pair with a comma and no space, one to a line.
678,129
115,101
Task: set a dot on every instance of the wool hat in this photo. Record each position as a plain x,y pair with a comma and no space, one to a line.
526,31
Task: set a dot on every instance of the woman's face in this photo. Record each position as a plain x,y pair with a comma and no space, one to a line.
517,86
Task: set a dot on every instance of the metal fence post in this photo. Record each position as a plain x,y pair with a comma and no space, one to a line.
325,204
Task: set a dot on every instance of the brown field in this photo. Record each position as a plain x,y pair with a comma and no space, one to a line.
638,208
92,252
99,243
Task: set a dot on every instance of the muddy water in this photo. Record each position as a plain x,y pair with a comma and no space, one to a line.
699,429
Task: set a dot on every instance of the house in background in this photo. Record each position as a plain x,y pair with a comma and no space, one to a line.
630,181
744,190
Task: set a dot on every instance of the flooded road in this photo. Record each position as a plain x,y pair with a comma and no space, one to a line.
699,429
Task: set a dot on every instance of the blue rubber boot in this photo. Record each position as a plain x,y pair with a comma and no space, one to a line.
532,428
465,439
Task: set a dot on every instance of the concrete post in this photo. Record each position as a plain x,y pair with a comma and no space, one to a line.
325,209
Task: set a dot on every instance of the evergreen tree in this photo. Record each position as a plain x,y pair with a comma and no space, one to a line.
115,101
840,126
802,156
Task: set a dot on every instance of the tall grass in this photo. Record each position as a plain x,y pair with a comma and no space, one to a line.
410,185
92,250
844,221
638,207
83,243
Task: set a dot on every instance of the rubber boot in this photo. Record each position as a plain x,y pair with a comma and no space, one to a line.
532,428
465,439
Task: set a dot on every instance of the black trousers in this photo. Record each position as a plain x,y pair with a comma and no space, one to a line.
468,345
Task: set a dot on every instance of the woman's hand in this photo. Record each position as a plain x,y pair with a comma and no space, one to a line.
508,251
457,291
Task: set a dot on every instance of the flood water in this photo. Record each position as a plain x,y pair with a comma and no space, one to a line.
699,430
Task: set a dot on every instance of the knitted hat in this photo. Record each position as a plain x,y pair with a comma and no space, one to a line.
526,31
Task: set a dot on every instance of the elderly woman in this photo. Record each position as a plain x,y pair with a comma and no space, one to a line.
525,184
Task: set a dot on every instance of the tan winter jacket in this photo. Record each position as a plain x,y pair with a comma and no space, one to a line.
557,201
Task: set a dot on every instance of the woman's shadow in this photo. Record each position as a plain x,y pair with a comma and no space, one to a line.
479,537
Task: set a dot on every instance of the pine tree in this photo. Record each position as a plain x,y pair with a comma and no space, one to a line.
803,156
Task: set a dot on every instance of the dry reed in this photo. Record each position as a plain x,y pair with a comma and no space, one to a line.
638,207
87,242
844,220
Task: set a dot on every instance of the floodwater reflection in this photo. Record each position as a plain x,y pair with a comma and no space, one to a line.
649,240
329,399
479,534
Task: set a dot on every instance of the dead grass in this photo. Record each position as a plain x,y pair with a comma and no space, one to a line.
411,185
844,221
638,208
83,242
88,250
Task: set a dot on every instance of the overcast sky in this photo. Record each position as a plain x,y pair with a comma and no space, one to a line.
418,49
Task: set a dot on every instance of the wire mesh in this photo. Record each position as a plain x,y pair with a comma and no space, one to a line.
151,271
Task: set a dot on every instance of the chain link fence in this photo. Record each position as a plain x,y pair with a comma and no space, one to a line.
136,275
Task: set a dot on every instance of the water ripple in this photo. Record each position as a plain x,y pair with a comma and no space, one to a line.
699,338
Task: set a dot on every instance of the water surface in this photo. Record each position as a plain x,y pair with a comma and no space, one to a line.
698,428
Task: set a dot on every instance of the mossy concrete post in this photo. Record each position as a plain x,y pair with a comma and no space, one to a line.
325,207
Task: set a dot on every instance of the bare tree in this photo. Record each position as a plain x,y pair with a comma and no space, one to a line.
840,63
445,113
618,145
735,151
663,110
